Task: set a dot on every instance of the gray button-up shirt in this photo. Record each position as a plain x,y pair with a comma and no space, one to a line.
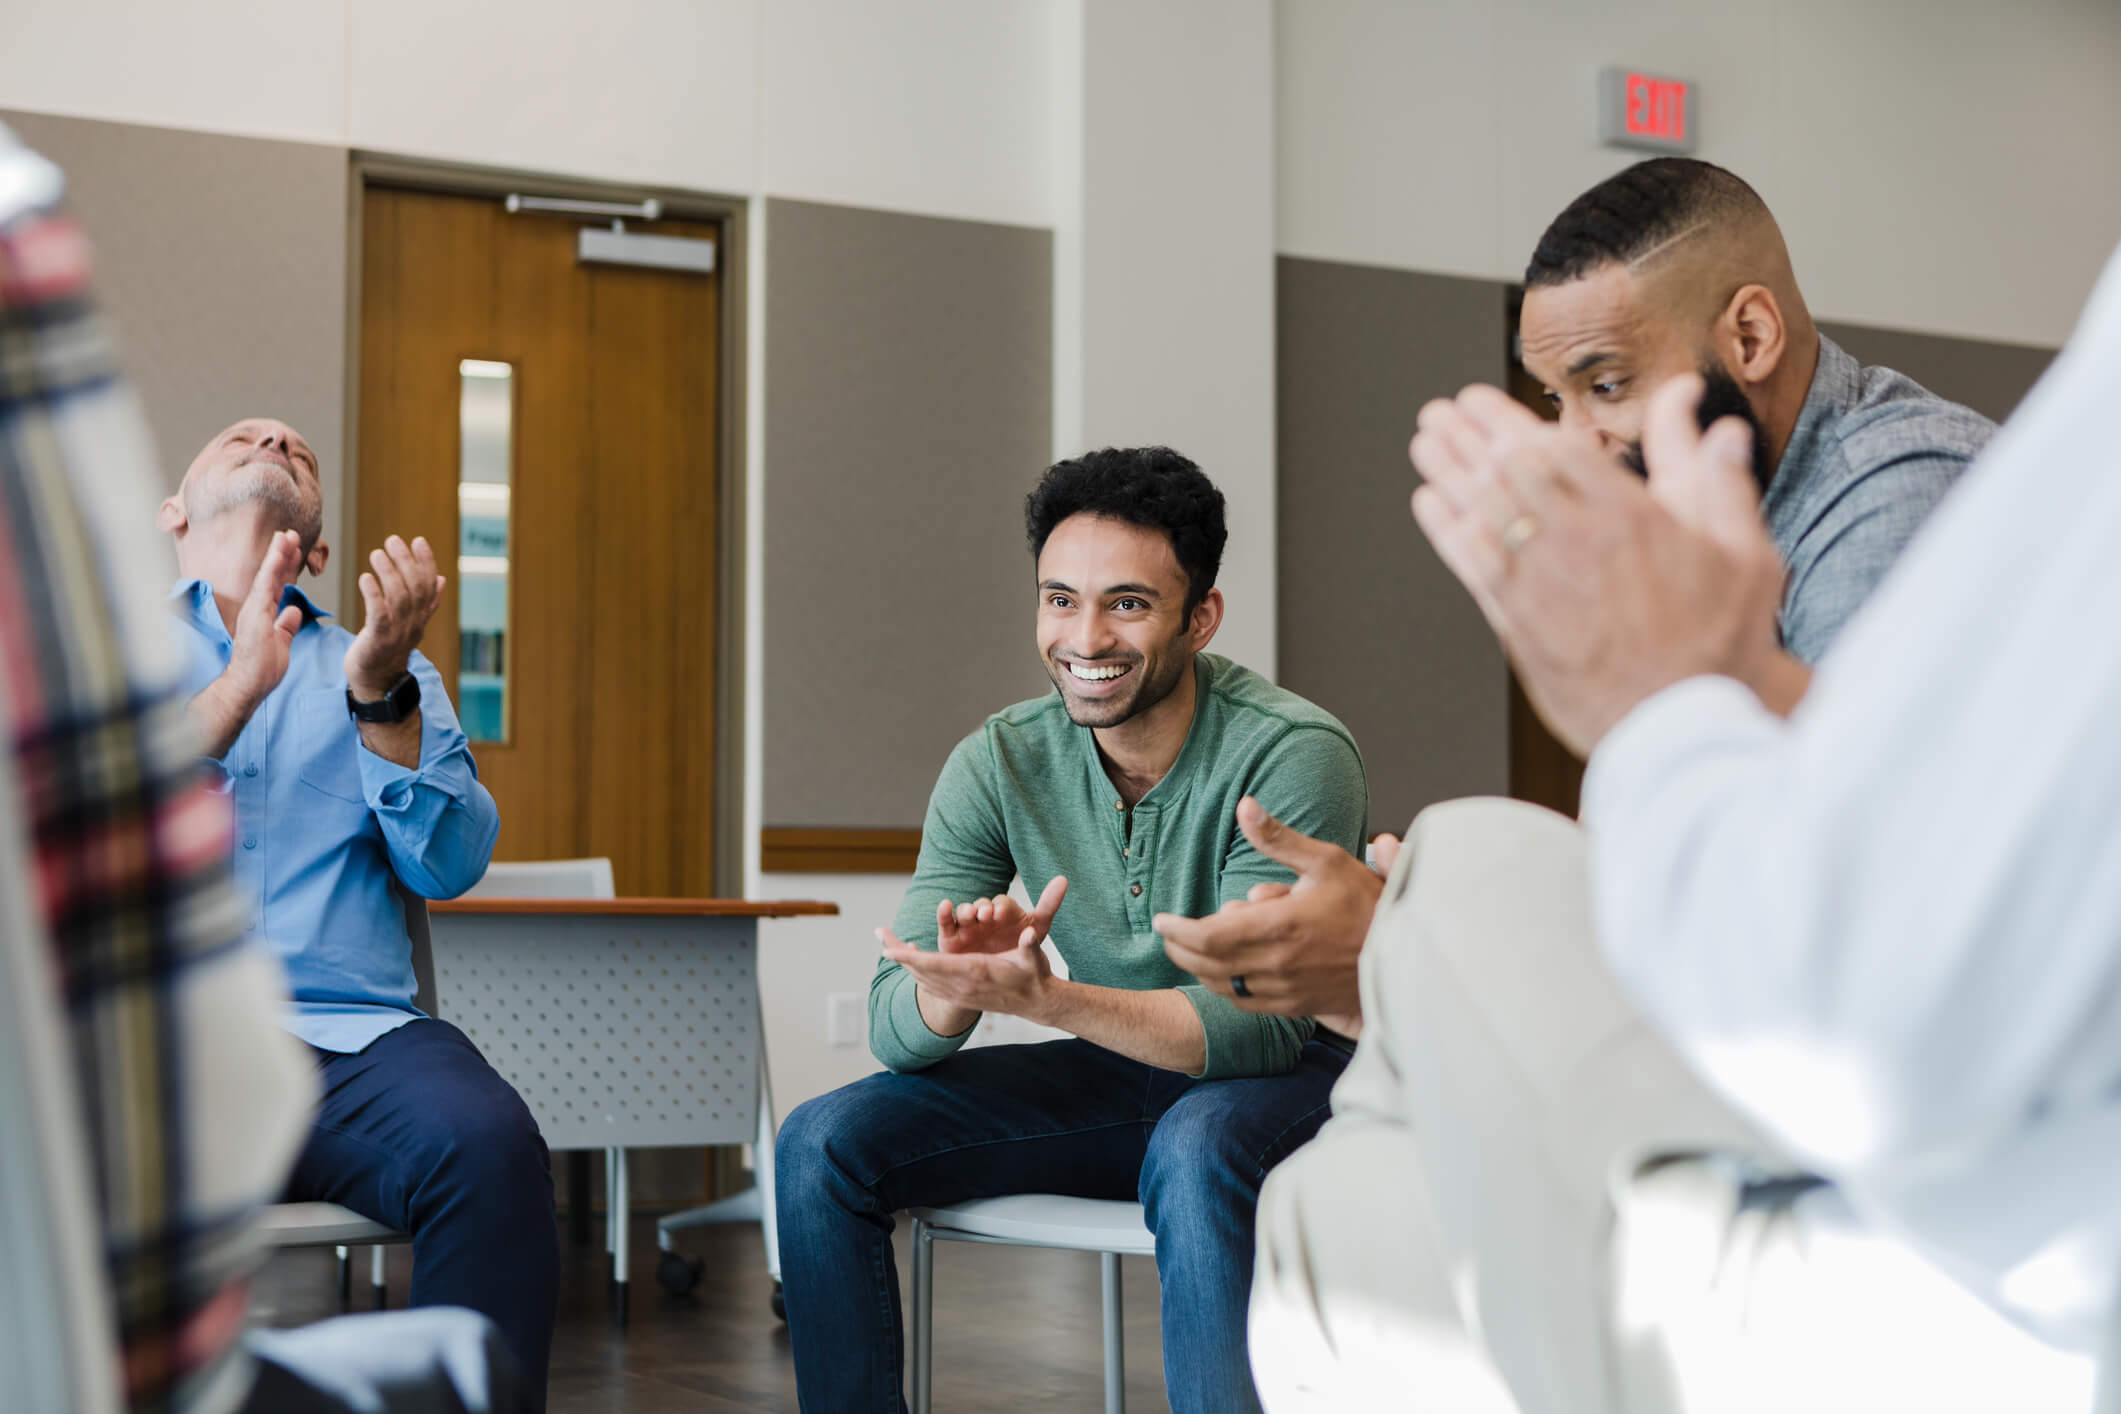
1872,455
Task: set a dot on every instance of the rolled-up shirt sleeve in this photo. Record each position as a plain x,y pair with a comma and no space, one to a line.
439,823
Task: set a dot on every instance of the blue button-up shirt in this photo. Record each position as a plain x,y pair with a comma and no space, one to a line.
323,823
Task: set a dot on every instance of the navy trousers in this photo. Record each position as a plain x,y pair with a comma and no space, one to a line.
419,1132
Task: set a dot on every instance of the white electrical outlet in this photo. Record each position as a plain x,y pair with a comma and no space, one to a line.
846,1022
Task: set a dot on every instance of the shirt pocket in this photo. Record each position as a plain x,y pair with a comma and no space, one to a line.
329,743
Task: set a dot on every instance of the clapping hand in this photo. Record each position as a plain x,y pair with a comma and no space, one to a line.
266,628
1603,588
987,956
400,592
997,924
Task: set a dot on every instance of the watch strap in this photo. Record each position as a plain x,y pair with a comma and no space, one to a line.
394,706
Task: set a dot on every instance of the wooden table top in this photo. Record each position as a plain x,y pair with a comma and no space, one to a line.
641,907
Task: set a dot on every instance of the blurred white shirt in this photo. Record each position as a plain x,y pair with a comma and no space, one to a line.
1889,929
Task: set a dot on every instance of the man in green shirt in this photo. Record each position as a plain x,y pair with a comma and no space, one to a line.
1113,799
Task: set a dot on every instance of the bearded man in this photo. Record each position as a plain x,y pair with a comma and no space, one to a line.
351,779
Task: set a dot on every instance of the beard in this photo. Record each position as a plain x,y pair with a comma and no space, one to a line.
257,483
1154,678
1720,397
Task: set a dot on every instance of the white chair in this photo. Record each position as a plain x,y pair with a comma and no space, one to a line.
546,878
1109,1227
57,1343
328,1224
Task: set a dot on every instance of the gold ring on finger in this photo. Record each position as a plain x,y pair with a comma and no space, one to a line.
1518,533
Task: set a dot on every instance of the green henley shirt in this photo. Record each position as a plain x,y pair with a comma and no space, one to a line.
1027,795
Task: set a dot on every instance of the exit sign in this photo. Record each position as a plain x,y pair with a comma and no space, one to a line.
1644,110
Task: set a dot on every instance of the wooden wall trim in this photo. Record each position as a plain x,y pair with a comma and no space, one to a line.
837,851
638,907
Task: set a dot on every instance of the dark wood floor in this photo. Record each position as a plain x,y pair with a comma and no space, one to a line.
1016,1328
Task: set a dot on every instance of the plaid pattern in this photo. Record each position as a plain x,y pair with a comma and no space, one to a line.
129,848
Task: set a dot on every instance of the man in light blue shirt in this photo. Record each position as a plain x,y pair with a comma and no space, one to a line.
350,776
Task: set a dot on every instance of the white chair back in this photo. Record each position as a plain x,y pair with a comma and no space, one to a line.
57,1342
545,878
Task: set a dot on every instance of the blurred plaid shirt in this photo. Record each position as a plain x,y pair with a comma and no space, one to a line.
193,1100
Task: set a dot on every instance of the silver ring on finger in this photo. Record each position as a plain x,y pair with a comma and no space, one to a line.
1519,533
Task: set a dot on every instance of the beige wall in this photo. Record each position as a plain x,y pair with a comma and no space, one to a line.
1939,165
936,106
1164,277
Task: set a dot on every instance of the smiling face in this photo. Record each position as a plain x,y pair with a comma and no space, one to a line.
1113,626
257,462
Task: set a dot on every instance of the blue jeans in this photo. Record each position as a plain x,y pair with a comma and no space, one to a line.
1065,1117
419,1132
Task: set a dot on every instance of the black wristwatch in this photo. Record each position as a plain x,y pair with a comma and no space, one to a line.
396,705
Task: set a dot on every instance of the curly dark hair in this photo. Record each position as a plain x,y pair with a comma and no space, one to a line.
1633,212
1152,487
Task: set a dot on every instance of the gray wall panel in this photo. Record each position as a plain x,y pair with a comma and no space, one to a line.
223,260
1988,377
909,407
1372,626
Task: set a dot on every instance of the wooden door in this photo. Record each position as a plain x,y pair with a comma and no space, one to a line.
610,653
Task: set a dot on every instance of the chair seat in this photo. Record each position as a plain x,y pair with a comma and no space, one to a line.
1049,1220
322,1225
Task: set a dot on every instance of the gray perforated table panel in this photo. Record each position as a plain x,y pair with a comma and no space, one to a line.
618,1032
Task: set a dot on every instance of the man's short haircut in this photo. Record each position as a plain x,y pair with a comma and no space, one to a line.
1152,487
1634,212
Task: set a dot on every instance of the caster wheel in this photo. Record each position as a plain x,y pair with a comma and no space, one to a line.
678,1274
780,1302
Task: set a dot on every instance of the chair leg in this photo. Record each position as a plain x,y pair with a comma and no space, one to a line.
1115,1337
923,1324
622,1232
762,1164
611,1214
345,1279
378,1277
